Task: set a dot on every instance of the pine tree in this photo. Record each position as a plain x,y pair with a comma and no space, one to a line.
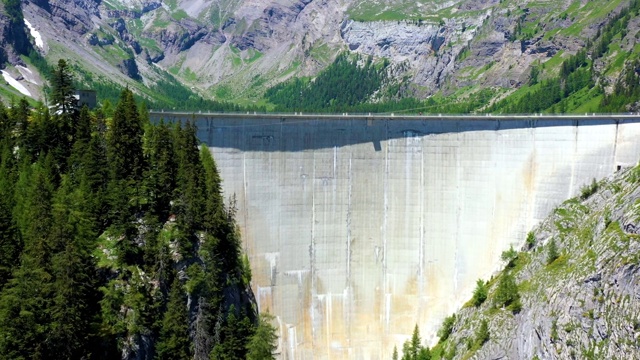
7,125
415,343
62,88
552,251
82,131
189,196
215,217
41,136
10,244
480,293
424,354
482,335
26,299
126,165
507,291
263,343
406,350
174,341
124,140
74,302
160,175
235,335
81,140
19,115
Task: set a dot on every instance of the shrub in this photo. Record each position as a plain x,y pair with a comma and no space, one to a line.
482,335
515,306
507,292
480,293
447,327
531,239
552,251
509,256
588,190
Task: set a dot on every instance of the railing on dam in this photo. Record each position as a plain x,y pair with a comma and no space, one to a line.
383,116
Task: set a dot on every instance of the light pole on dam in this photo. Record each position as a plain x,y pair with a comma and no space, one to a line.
358,227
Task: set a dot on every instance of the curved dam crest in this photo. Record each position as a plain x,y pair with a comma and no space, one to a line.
360,227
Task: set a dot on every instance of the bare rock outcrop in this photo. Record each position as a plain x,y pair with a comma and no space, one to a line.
583,304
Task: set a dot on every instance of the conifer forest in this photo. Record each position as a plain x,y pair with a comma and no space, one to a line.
115,240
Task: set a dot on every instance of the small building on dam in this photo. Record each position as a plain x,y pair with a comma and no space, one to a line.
359,227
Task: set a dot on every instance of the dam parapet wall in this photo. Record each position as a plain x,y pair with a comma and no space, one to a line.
360,227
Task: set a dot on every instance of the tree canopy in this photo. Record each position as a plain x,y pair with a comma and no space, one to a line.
115,240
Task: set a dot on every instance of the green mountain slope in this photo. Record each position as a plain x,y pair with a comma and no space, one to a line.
461,55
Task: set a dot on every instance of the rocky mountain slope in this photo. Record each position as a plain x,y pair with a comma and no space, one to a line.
236,49
576,282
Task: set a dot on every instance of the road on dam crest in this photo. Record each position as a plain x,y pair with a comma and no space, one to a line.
359,227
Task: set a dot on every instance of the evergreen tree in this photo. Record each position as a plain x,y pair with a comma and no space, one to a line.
10,244
262,344
26,299
65,115
447,327
235,334
415,343
190,197
161,173
20,117
406,350
42,135
7,125
482,334
507,291
552,251
74,303
81,138
174,341
215,216
82,131
51,266
62,88
424,354
124,140
480,293
126,165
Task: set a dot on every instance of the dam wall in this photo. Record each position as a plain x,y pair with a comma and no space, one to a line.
359,228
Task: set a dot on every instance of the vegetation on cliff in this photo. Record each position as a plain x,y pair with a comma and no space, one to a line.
115,241
565,84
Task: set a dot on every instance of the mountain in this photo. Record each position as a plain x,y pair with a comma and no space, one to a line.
575,286
234,50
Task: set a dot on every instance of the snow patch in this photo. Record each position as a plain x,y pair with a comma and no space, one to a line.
25,69
15,84
36,35
28,75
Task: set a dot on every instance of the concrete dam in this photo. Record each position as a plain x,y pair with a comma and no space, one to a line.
360,227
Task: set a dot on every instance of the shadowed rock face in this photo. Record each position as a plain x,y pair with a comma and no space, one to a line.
359,229
13,36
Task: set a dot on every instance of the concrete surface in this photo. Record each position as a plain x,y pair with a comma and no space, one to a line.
358,228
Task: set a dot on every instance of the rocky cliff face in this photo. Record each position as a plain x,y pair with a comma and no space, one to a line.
585,303
13,35
245,46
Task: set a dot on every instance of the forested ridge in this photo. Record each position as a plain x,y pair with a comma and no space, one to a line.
115,241
580,80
